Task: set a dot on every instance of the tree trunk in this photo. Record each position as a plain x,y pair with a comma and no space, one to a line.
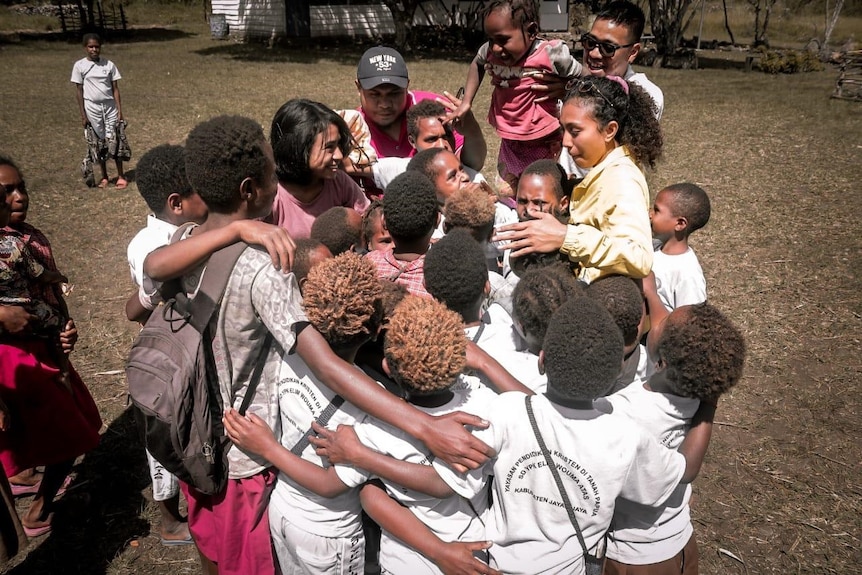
666,18
830,26
402,15
727,24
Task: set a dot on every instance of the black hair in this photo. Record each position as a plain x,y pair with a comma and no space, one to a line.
293,132
91,36
7,161
333,229
456,272
161,172
551,169
302,257
582,350
625,302
691,202
627,14
420,111
423,162
522,11
703,351
220,154
410,207
635,112
538,294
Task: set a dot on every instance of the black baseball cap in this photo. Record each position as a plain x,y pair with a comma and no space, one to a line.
381,65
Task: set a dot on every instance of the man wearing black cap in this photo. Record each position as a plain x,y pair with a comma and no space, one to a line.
384,98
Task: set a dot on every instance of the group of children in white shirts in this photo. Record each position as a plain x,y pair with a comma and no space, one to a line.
626,459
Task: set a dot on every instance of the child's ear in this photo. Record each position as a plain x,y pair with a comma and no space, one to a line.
175,204
542,362
487,289
533,29
610,131
247,189
385,366
681,224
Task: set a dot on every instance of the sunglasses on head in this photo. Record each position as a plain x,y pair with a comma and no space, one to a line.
9,188
581,87
606,49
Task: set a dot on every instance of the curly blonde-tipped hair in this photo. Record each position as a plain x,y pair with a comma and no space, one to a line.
425,345
342,299
469,207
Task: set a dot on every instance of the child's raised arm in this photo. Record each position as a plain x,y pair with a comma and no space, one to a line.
455,558
181,257
475,75
342,446
250,433
475,148
444,435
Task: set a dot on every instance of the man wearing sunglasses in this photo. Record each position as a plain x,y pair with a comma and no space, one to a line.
610,47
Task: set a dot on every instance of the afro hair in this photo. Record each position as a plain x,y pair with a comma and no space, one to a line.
456,273
342,299
425,346
703,351
582,350
338,228
162,172
220,154
538,294
410,207
625,302
306,256
471,208
690,202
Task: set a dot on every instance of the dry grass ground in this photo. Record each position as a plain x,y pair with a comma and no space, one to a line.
782,162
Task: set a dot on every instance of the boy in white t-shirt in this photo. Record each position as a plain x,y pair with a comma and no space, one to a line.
701,356
314,518
161,177
599,456
678,211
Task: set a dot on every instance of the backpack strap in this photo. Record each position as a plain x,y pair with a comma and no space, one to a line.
552,466
322,419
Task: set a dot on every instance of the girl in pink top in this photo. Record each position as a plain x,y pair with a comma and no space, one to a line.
309,141
513,56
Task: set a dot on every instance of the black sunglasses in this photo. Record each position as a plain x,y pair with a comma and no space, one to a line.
606,49
578,85
9,188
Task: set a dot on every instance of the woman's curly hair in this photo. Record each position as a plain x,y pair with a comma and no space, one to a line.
704,352
635,112
342,299
425,345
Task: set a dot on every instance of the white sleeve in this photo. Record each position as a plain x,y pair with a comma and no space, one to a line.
654,473
691,290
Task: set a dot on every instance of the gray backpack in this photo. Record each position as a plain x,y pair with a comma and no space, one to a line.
173,382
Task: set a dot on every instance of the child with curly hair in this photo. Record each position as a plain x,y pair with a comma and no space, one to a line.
424,353
314,518
374,235
537,296
339,229
701,356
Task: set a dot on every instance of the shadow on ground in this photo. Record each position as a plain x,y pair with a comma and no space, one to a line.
116,36
101,511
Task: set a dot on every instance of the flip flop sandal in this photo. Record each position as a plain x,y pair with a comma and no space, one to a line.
104,183
21,490
121,184
32,532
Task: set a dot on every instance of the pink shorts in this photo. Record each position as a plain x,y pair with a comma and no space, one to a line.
516,155
232,528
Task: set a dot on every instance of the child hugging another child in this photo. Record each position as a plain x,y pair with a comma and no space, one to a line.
678,211
314,517
701,356
513,56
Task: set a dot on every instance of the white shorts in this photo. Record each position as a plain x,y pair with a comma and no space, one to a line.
302,553
165,484
103,117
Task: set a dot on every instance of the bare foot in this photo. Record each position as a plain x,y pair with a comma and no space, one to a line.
27,477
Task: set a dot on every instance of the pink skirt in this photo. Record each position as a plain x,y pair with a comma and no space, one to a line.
47,424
